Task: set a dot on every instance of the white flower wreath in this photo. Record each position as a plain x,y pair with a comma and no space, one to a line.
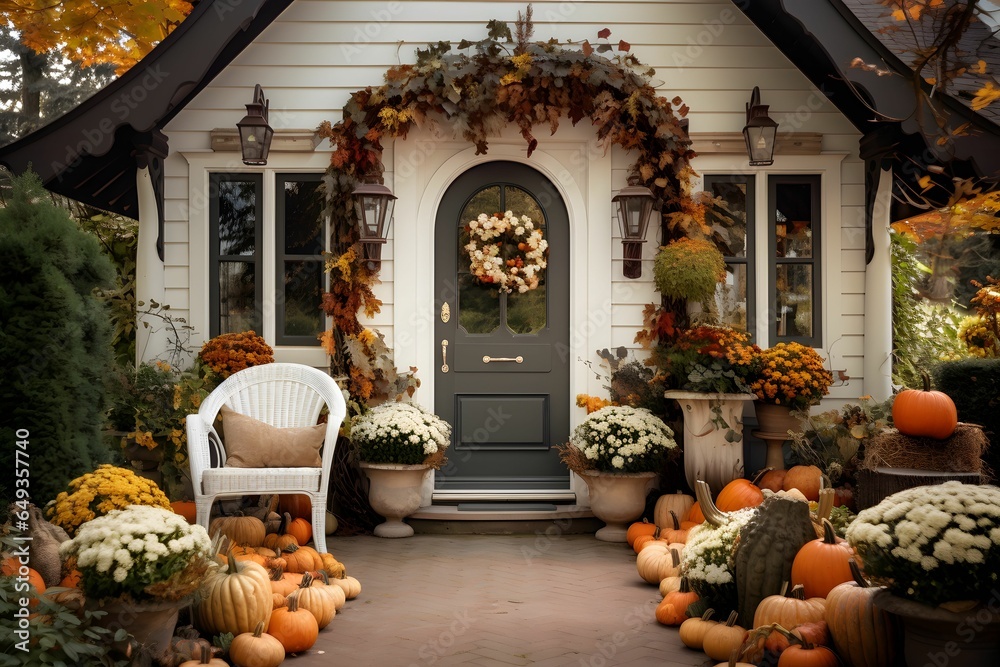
507,252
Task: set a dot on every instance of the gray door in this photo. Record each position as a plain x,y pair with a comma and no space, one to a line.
506,414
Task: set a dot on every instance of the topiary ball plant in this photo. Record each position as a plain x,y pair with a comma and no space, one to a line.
689,269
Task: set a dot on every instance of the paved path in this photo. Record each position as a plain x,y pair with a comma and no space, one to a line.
495,600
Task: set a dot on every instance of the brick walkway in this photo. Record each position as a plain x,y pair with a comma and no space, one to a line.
496,600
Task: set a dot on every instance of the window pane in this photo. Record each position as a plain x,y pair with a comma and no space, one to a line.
734,232
237,217
526,312
303,290
237,302
485,201
520,203
731,297
478,305
303,222
793,227
794,299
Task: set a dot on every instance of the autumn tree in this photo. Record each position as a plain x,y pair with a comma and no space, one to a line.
94,32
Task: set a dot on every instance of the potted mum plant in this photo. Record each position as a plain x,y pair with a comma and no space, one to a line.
705,367
786,378
140,564
618,451
937,551
94,494
398,443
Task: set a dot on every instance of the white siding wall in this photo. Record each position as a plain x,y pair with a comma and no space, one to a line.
319,51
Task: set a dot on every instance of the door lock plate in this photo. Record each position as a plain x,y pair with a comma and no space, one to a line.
445,312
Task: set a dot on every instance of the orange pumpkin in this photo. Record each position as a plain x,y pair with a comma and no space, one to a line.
296,504
643,540
72,579
807,654
186,508
301,529
302,559
822,564
773,480
638,528
293,626
696,516
740,494
816,632
673,532
11,566
807,479
924,413
672,610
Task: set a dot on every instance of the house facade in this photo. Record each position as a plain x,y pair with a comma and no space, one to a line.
231,247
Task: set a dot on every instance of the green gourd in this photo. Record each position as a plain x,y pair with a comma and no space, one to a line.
767,547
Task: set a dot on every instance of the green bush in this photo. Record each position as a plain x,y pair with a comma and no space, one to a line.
974,385
55,340
689,269
923,332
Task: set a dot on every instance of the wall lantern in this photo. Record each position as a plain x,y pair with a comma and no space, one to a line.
373,204
635,204
255,133
759,132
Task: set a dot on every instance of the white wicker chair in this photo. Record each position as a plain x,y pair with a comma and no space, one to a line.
284,396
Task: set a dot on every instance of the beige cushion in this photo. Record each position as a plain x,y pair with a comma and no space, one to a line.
253,444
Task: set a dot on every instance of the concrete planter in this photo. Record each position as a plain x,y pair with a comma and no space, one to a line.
395,493
617,499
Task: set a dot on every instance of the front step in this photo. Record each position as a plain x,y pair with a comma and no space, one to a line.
504,519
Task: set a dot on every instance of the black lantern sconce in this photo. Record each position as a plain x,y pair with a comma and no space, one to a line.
255,133
635,205
759,132
373,204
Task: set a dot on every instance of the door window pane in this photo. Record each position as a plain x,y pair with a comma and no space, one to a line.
478,305
526,312
732,229
237,219
303,289
794,299
303,218
237,298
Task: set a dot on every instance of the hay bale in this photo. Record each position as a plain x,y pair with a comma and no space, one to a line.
962,452
876,485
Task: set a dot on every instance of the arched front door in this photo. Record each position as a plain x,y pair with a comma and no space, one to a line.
507,414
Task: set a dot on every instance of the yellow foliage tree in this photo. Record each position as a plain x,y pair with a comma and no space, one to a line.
92,32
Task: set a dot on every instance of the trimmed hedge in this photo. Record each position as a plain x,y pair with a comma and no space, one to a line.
974,385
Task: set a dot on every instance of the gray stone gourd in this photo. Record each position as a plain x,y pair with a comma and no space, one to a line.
767,547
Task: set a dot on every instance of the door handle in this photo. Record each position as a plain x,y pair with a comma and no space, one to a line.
444,355
517,360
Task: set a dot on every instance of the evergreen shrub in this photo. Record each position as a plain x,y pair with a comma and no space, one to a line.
55,341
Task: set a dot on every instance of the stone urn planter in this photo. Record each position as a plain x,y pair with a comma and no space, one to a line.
713,436
617,499
151,623
395,493
932,635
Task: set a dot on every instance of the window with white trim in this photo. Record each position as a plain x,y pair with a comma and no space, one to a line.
267,269
793,255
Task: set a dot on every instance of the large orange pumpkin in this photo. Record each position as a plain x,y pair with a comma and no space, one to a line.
924,413
11,566
672,610
807,479
740,494
822,564
863,635
295,627
638,528
696,516
295,504
186,508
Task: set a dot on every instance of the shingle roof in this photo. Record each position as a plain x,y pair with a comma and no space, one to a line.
904,38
